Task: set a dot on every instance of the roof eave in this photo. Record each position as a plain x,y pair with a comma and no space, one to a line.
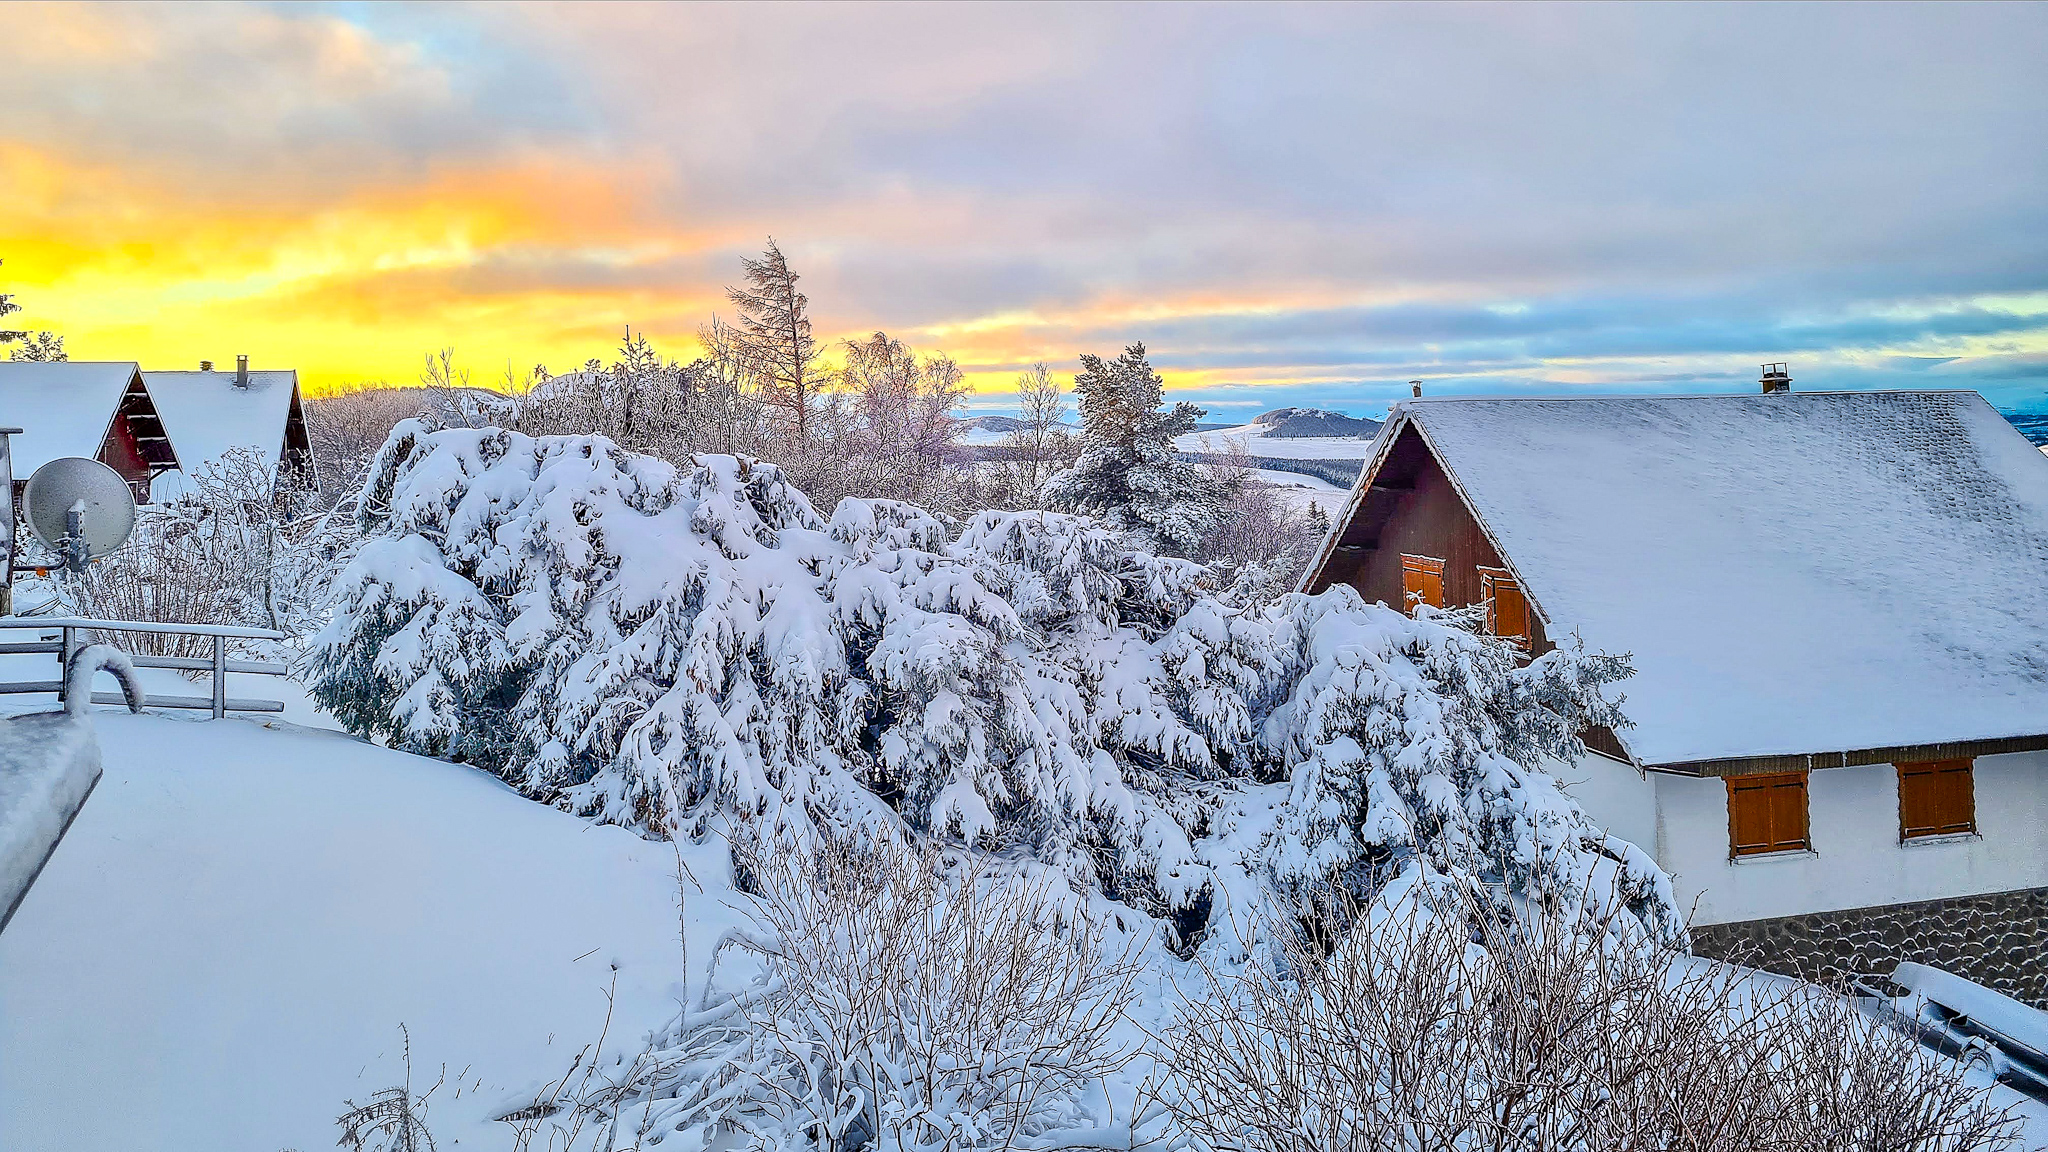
1892,754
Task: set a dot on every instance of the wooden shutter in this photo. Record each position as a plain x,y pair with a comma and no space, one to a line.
1766,813
1422,581
1936,798
1507,610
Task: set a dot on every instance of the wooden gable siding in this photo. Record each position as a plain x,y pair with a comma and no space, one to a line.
121,452
296,453
1412,508
136,445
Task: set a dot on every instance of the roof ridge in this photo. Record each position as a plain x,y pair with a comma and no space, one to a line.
1774,396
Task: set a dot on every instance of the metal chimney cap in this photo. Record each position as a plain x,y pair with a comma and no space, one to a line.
206,365
1776,378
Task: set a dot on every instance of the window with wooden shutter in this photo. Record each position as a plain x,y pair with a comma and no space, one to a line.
1936,798
1422,581
1507,610
1767,813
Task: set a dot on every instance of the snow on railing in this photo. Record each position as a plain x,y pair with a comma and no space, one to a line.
219,702
49,763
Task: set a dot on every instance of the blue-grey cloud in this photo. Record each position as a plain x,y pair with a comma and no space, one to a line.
1476,194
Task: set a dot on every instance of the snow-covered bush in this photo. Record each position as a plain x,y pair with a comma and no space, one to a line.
660,648
1431,1021
890,996
230,544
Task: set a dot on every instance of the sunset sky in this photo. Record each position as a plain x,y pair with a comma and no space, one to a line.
1289,205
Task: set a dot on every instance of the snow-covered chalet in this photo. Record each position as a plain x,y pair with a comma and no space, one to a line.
150,426
1836,605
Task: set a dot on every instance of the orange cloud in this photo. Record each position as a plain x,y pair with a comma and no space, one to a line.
350,290
526,259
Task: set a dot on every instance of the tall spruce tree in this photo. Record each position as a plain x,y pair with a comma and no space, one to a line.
1128,473
775,328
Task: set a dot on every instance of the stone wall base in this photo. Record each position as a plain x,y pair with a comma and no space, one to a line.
2000,940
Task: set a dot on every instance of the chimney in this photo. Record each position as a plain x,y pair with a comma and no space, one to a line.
206,365
1776,379
242,371
1416,385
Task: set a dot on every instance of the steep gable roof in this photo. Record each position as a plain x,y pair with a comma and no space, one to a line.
62,408
1791,573
206,413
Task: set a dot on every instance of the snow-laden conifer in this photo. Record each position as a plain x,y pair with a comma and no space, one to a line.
1128,473
660,648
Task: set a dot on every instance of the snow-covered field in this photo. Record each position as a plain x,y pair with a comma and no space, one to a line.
1300,491
1253,440
225,944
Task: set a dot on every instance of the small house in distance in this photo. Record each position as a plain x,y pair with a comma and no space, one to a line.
100,409
147,425
206,413
1836,605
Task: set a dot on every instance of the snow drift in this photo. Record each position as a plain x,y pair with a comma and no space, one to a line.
663,648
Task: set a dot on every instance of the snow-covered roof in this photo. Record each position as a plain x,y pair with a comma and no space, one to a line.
206,413
1792,573
62,408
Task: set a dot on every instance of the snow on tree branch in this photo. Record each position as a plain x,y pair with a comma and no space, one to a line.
662,648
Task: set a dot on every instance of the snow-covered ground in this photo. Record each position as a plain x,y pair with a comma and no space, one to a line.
225,944
1253,440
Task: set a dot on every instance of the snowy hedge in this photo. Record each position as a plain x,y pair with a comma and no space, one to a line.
660,648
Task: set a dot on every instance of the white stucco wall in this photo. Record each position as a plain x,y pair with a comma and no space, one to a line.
1612,793
1857,860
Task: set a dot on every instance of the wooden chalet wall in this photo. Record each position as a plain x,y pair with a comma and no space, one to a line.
296,454
135,445
1412,508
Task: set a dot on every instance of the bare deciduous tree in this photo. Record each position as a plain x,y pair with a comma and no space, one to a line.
1261,536
1044,445
892,426
347,425
235,548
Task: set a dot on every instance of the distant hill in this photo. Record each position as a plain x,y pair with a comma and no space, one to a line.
999,424
1292,423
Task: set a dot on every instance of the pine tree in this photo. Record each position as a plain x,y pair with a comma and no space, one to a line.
7,305
1129,473
775,326
665,648
38,346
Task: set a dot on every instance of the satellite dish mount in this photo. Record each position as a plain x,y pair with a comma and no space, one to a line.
79,508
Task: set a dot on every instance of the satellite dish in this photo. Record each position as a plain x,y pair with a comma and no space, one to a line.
105,506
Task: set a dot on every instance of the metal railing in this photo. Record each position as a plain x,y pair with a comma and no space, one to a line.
219,702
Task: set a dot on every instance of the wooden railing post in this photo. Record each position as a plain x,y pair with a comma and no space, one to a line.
220,677
64,661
